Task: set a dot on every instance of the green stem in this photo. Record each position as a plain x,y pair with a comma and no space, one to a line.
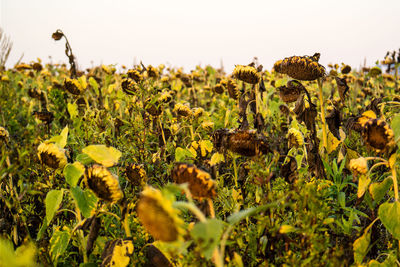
321,100
235,171
126,226
189,206
396,188
81,236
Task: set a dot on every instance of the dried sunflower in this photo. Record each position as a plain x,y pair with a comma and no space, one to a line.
117,253
295,138
200,183
197,112
158,216
246,74
233,89
182,110
136,174
358,166
135,75
4,135
378,135
103,183
291,92
52,155
165,97
345,69
152,72
129,86
301,68
73,86
219,88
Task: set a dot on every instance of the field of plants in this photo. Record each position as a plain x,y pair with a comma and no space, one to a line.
293,164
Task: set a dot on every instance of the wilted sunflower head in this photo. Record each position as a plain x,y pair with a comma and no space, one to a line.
117,253
200,183
135,75
219,88
73,86
52,155
345,69
197,112
103,183
358,166
157,215
375,71
301,68
57,35
182,110
233,89
129,86
36,93
152,72
136,174
165,97
378,135
291,92
246,74
295,138
4,135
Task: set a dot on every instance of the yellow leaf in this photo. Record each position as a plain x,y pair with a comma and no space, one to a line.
82,81
392,160
285,229
216,158
193,151
333,143
205,146
363,183
107,156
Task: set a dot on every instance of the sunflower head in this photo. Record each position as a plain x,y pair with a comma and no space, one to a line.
135,75
345,69
57,35
246,74
303,68
136,174
152,72
129,86
117,252
233,89
378,135
295,138
73,86
103,183
200,183
219,88
358,166
165,97
157,215
52,155
291,92
182,110
4,135
36,93
197,112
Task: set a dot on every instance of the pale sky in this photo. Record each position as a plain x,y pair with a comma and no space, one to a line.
187,33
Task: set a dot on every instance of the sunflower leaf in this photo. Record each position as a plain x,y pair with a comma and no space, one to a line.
53,201
105,155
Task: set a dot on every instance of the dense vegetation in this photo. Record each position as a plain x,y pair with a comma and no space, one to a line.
154,166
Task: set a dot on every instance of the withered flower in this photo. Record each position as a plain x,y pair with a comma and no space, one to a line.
57,35
37,66
358,166
345,69
136,174
182,110
378,135
154,257
375,71
200,183
117,252
135,75
233,89
45,116
129,86
246,74
73,86
52,155
197,112
103,183
219,88
343,88
157,215
291,92
36,93
244,142
301,68
152,72
4,135
295,138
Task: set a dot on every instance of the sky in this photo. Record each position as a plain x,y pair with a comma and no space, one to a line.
188,33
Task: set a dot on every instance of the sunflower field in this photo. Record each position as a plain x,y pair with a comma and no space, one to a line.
295,165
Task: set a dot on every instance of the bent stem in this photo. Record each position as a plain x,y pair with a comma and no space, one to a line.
321,101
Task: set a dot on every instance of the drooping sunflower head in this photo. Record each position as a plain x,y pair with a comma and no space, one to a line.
73,86
135,75
233,89
378,135
291,92
165,97
295,138
152,72
52,155
358,166
136,174
219,88
345,69
103,183
157,215
129,86
197,112
4,135
246,74
117,252
200,183
182,110
303,68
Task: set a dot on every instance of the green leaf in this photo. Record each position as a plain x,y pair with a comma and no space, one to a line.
93,83
363,183
285,229
395,125
105,155
73,172
85,200
360,247
59,242
24,255
42,229
53,201
216,158
84,159
389,214
182,154
240,215
378,190
72,110
207,235
60,140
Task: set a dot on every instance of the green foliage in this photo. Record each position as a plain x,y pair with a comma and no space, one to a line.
59,242
53,201
389,214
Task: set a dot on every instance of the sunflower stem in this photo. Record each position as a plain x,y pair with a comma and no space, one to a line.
321,100
81,236
126,226
191,207
211,207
